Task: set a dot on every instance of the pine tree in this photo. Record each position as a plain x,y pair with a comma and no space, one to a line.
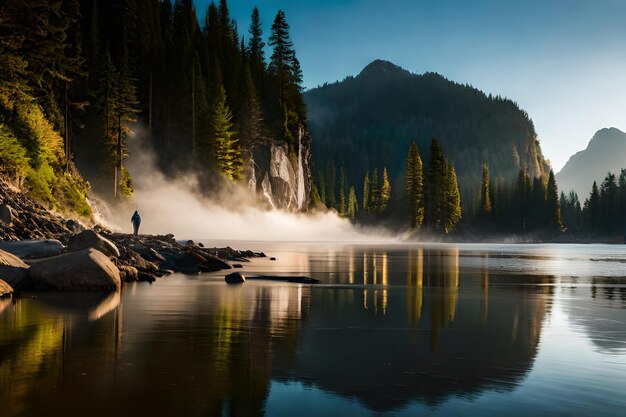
249,113
288,110
538,213
521,200
608,204
621,183
553,206
227,151
353,205
592,208
280,61
331,179
414,187
452,208
255,49
375,191
343,190
435,197
366,192
485,194
322,188
385,191
119,106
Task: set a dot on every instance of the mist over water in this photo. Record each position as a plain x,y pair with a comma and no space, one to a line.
176,205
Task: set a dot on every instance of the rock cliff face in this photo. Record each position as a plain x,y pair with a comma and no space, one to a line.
281,179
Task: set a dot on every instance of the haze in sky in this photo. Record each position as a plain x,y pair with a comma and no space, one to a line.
563,61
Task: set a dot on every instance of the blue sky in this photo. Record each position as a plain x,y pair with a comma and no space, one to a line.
563,61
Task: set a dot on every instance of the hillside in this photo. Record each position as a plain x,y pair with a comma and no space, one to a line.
370,121
606,152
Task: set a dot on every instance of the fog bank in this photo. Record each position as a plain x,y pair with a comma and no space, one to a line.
175,205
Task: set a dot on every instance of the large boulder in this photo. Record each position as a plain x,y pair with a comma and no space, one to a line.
85,270
192,261
33,249
13,271
90,239
5,289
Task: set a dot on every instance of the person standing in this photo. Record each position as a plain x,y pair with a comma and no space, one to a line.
136,221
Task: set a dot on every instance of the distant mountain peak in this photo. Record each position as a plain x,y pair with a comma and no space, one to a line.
608,134
380,66
605,152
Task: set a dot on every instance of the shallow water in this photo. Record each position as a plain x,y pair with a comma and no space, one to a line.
391,330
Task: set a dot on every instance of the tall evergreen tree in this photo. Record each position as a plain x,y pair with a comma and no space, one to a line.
621,183
435,197
538,214
118,105
414,187
374,203
592,208
452,208
343,190
553,206
521,200
255,49
385,191
608,205
227,151
287,112
331,179
353,205
485,194
366,192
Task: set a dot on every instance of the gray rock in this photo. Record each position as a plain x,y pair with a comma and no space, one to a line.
128,273
7,214
90,239
74,226
13,271
33,249
85,270
5,289
235,278
147,253
194,261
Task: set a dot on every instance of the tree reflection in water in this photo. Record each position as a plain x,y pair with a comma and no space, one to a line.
402,326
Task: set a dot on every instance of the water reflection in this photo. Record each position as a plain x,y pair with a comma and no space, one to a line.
403,326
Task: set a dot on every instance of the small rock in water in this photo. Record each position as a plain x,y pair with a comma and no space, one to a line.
272,259
235,278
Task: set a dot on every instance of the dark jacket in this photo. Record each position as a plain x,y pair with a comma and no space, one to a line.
136,218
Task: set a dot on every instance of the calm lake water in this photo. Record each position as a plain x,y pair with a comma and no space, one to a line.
398,330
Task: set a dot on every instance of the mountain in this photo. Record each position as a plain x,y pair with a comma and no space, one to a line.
606,152
371,120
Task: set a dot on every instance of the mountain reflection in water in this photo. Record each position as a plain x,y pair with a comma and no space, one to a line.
385,329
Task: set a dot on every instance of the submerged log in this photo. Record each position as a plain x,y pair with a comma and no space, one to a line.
298,279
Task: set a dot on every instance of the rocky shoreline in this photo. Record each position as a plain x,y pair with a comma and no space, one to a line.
41,250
